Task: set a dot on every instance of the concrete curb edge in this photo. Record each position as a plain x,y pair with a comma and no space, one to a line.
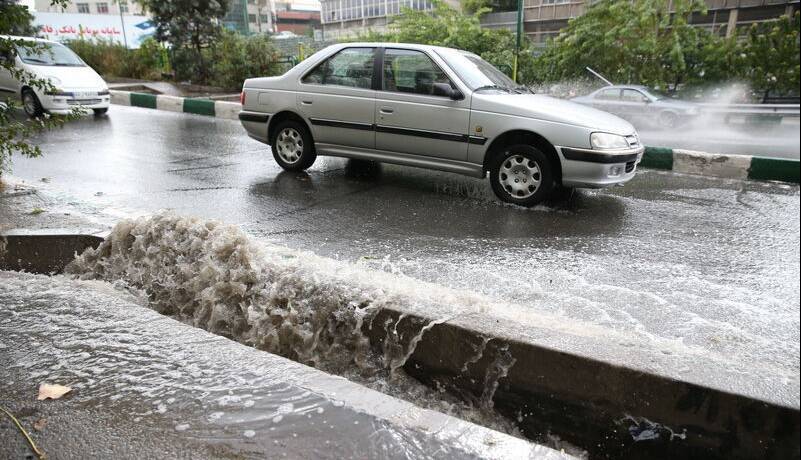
683,161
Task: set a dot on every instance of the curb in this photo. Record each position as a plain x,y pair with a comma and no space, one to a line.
681,161
725,166
218,109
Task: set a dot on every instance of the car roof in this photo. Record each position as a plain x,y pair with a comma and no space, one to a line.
637,87
30,39
411,46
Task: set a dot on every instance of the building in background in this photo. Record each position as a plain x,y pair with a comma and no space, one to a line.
299,22
543,19
262,16
347,18
115,7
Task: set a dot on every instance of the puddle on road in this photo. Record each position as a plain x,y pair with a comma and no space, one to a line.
290,303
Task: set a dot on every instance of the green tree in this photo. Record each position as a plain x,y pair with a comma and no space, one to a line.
769,55
640,41
444,26
235,58
15,132
188,25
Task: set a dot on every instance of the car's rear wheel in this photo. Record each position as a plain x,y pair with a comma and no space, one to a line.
522,175
30,103
293,147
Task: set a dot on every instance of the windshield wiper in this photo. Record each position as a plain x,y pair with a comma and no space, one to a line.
40,61
502,88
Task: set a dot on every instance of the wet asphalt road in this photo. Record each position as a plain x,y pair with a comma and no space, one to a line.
688,264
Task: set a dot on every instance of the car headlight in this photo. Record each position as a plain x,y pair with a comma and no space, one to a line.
606,141
55,81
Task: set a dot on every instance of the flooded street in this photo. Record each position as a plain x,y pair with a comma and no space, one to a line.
693,269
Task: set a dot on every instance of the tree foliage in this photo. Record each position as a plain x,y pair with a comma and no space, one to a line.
188,25
444,26
15,132
768,57
642,41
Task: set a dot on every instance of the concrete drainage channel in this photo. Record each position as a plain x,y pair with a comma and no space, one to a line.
610,410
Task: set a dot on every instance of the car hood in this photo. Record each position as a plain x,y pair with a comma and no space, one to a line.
551,109
72,77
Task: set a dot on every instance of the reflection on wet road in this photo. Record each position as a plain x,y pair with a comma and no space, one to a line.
684,261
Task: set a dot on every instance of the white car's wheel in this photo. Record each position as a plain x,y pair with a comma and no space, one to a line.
293,147
522,175
31,104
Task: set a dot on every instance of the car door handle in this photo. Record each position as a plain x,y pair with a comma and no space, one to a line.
306,102
386,110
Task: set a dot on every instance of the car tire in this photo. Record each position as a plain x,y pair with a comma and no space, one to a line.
102,111
292,146
521,175
668,120
30,104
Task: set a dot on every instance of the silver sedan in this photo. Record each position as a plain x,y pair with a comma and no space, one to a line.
436,108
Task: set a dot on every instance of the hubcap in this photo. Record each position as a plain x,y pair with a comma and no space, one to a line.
520,176
29,104
289,145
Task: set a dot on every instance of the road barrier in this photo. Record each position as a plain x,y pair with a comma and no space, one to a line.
725,166
219,109
682,161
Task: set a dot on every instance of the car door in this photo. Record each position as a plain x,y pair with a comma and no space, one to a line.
409,118
607,100
633,104
8,84
338,99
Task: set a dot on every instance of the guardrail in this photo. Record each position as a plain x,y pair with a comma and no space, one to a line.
784,110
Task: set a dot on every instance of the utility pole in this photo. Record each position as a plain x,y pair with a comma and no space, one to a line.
519,34
122,22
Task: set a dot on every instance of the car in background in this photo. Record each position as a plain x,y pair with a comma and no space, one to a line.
436,108
75,83
639,104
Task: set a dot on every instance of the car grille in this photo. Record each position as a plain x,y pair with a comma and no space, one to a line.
630,166
633,141
83,101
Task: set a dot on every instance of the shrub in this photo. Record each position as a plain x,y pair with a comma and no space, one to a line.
113,59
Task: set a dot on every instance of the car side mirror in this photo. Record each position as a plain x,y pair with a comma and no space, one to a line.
446,90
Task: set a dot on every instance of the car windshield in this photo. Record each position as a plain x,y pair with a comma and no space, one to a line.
49,54
476,72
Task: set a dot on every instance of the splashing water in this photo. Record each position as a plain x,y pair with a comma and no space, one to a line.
297,305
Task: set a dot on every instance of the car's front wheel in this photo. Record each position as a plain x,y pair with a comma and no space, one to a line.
30,103
102,111
293,147
522,175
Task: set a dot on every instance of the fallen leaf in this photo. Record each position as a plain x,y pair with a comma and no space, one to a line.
36,211
40,424
52,391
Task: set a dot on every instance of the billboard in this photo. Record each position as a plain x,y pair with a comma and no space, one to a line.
71,26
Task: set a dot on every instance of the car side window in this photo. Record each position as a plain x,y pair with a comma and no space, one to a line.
631,95
351,67
410,71
609,95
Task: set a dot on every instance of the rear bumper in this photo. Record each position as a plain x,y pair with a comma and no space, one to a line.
596,169
255,124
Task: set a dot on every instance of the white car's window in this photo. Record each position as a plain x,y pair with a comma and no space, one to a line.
49,54
609,95
474,71
409,71
631,95
350,67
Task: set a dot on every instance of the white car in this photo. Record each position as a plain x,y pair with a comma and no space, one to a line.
436,108
76,84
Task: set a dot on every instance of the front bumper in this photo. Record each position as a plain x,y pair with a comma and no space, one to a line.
598,168
64,102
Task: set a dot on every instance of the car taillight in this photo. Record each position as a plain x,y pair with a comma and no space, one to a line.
242,98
